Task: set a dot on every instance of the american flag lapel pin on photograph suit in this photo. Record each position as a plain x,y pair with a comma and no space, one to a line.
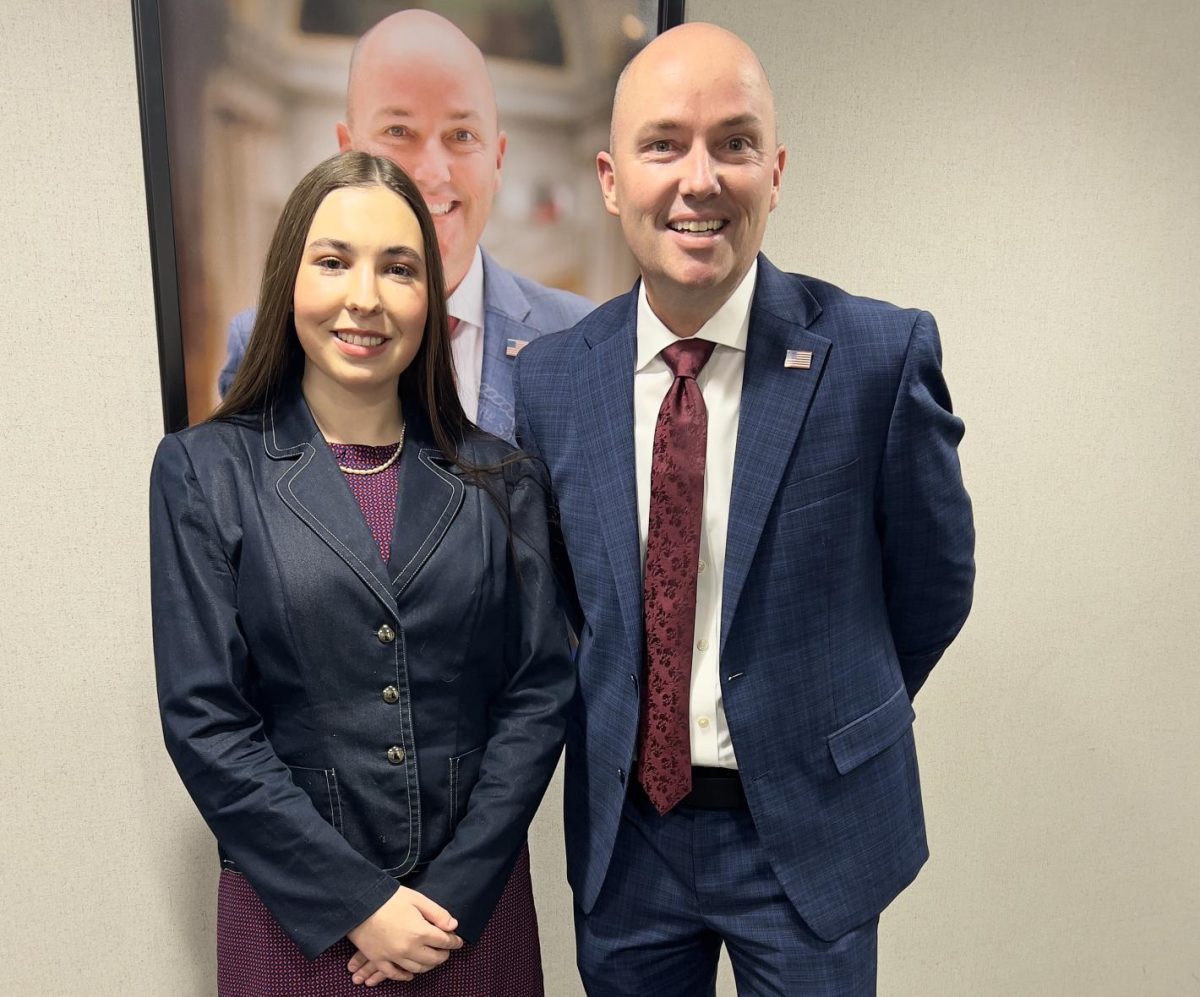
515,346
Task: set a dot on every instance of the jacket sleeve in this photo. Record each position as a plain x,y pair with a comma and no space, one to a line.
317,886
527,723
924,513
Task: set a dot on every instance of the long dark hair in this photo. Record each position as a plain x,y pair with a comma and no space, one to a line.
274,353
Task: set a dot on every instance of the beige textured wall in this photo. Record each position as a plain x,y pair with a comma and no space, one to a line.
1030,173
102,881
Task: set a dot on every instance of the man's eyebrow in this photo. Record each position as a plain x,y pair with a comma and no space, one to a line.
747,120
394,112
662,125
404,112
742,121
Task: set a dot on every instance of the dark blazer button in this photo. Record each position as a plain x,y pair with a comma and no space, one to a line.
621,776
396,755
391,694
385,634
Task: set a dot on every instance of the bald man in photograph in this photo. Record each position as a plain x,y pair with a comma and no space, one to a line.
761,503
420,95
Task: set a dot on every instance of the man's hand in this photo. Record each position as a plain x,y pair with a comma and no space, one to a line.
409,934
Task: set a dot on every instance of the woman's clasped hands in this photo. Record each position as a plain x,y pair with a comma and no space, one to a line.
409,934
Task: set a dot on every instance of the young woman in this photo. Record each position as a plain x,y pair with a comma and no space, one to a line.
362,663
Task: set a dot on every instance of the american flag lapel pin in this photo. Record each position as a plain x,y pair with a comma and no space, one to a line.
798,359
515,346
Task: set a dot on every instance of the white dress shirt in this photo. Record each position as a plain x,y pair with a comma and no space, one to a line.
466,344
720,383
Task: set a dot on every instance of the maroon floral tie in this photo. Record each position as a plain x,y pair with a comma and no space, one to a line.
669,588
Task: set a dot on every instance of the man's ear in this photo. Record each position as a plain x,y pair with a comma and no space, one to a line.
501,148
343,137
777,175
606,173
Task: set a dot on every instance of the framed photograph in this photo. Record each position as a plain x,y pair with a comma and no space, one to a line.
240,98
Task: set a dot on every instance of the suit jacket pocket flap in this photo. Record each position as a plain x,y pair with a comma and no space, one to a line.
864,738
797,495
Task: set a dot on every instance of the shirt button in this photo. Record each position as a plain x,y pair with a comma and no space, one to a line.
702,644
395,754
391,694
385,634
703,723
702,566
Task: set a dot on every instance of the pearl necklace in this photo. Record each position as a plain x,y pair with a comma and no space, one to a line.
378,467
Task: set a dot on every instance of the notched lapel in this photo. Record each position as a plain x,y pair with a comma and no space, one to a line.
774,405
606,400
312,487
428,499
496,412
505,311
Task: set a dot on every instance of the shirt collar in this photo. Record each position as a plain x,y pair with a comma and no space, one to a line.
728,327
466,303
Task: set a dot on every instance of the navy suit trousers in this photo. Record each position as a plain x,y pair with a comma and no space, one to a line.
681,885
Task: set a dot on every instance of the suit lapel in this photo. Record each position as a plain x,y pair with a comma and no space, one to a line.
428,498
606,404
505,310
774,404
312,487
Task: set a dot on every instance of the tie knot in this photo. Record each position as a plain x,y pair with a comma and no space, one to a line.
687,357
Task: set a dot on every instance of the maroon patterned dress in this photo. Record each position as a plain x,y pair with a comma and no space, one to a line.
255,958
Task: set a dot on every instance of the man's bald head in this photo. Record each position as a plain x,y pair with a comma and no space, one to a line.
419,93
694,42
694,168
415,34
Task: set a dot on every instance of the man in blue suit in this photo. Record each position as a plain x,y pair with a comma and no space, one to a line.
771,547
419,93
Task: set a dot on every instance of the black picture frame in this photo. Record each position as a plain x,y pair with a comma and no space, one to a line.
148,41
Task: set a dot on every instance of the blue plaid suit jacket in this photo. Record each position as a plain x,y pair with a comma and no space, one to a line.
849,570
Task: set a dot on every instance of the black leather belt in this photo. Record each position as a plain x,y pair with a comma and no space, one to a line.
715,789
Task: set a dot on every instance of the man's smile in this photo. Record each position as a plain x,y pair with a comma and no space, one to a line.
697,226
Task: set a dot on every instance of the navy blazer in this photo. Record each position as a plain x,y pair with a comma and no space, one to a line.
849,570
340,723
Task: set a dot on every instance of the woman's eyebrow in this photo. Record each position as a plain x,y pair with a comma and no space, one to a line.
406,251
324,243
341,246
